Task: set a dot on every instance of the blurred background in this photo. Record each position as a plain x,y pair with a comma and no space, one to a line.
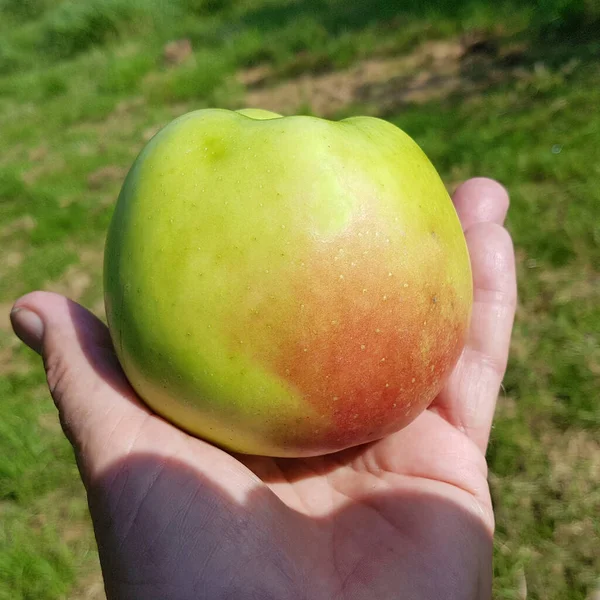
505,89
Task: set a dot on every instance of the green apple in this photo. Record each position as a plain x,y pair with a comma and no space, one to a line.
286,286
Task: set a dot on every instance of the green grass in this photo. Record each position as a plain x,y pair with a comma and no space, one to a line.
35,559
84,85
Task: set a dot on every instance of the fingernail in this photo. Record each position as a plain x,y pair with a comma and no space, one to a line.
29,327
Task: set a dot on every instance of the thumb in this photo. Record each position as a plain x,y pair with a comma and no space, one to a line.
98,409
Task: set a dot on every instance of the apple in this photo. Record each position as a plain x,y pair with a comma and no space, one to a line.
286,286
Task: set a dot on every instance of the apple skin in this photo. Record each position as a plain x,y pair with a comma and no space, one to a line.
286,286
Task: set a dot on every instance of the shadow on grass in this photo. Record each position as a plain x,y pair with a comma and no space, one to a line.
557,25
347,15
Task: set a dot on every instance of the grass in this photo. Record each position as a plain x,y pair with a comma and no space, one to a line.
84,85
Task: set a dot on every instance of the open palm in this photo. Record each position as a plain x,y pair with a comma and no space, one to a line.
406,517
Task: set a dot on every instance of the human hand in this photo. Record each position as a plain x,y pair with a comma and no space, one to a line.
406,517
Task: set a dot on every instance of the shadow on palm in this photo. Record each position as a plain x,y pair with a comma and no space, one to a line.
157,520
